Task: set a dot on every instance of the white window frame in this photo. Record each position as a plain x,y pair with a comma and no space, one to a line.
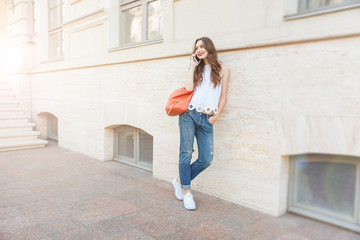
56,30
128,4
114,11
131,161
294,9
313,212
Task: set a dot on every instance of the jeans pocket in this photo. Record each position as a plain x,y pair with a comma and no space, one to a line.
207,117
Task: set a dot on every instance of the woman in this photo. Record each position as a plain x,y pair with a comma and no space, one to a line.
210,79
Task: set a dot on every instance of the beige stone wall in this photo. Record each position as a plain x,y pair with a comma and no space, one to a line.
233,24
272,91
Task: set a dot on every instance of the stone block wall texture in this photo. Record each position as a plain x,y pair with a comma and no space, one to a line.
283,100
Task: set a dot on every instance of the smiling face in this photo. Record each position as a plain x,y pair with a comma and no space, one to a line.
205,50
200,50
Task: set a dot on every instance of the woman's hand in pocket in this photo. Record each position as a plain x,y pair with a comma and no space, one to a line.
213,119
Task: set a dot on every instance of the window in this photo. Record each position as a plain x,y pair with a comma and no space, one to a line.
134,146
308,5
55,28
140,21
326,187
303,8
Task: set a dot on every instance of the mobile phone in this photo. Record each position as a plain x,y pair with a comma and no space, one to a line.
196,59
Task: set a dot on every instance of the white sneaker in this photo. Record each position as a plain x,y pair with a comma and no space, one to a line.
179,191
189,203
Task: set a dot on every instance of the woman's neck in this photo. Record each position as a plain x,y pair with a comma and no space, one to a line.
206,61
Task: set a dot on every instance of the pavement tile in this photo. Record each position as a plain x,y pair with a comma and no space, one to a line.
44,216
172,203
114,187
318,230
185,218
286,221
82,206
131,194
292,236
110,228
348,235
58,224
13,188
183,235
166,210
212,209
33,182
25,233
13,198
294,220
138,175
36,206
114,166
106,200
267,228
72,198
160,228
247,213
6,235
121,209
211,230
52,192
8,212
148,189
14,223
5,178
238,235
137,218
237,222
133,234
95,215
78,233
162,184
205,198
145,202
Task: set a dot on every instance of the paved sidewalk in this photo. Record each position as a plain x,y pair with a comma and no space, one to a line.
52,193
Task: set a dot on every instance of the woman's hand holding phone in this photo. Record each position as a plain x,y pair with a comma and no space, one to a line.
194,60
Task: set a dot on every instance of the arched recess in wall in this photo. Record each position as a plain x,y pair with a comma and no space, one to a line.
47,124
133,146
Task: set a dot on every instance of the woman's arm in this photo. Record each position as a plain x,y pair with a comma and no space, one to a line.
224,91
189,84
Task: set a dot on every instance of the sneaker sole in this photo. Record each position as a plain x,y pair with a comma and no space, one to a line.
190,209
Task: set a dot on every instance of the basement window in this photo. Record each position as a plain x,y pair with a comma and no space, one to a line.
134,146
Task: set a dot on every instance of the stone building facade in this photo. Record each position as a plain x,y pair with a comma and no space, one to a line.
96,74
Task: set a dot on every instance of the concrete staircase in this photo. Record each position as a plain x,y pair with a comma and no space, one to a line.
16,132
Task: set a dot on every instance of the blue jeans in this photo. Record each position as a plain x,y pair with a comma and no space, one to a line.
197,125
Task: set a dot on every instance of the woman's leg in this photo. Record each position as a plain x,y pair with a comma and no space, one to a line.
205,142
187,134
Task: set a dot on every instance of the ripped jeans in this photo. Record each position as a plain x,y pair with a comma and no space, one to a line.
195,124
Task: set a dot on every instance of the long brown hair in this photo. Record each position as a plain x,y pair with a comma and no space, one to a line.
213,60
